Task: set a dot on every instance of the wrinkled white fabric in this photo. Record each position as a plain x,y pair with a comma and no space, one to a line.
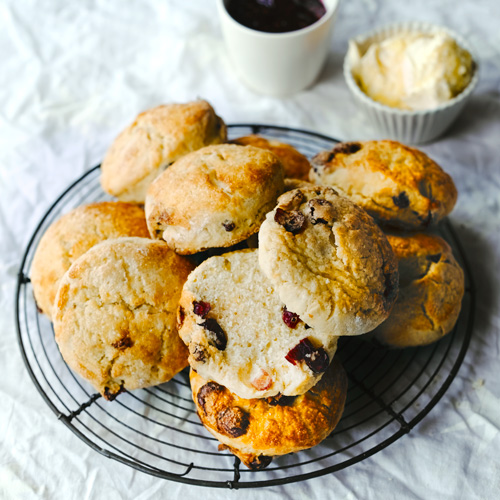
73,74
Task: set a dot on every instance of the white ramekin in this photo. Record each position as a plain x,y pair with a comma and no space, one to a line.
411,127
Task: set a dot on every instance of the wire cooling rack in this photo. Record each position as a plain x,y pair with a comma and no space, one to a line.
157,431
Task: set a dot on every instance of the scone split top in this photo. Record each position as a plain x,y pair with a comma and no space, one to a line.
328,261
115,314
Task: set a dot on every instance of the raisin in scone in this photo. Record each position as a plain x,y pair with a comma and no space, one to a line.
397,185
75,233
240,335
329,262
214,197
156,138
256,430
431,287
295,164
115,315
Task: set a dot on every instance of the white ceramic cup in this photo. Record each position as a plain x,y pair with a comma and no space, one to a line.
278,64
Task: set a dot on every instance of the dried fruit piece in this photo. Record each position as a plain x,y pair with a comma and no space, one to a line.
434,258
280,400
124,343
402,200
216,335
289,318
110,396
262,381
201,308
315,358
180,317
321,211
198,353
260,462
292,221
209,389
228,225
233,421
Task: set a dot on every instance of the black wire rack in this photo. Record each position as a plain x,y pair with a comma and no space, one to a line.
157,431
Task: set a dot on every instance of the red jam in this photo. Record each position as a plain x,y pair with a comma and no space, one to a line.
276,16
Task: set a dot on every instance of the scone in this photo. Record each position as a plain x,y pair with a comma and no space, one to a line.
256,430
75,233
295,164
158,137
115,315
397,185
214,197
329,262
431,287
240,335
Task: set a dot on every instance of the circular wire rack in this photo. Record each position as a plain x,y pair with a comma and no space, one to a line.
156,430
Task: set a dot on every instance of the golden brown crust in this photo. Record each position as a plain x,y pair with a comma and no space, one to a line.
115,314
214,197
75,233
431,288
295,164
257,429
156,138
398,185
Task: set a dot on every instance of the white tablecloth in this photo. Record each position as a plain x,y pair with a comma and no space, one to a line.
73,74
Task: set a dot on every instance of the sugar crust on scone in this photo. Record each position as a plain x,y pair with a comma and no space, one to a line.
229,294
329,262
115,314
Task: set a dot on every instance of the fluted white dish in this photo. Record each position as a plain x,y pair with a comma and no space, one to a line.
410,127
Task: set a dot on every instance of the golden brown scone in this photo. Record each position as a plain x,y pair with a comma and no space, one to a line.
256,430
397,185
431,287
295,164
115,314
75,233
158,137
214,197
329,262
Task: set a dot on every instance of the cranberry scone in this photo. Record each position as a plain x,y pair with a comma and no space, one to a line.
431,288
328,261
240,335
397,185
256,430
214,197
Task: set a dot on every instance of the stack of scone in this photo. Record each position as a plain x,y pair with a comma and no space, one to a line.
136,295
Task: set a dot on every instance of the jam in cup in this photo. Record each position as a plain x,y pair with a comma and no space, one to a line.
277,47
